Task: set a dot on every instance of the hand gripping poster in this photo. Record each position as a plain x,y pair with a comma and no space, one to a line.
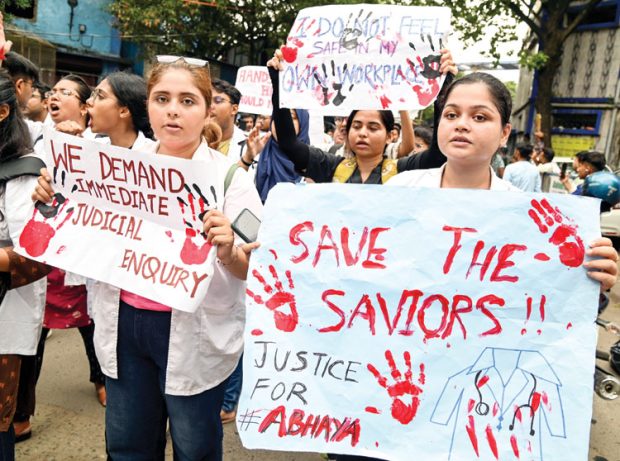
343,57
130,219
431,324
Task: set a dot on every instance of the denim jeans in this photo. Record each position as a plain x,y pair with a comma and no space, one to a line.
233,388
137,407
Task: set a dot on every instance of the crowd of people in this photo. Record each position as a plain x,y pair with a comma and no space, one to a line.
142,352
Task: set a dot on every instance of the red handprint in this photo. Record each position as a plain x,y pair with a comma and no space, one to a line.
195,252
401,411
278,298
36,236
546,217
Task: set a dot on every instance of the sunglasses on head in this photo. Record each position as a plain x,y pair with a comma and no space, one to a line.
169,59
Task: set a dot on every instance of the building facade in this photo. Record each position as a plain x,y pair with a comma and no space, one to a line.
586,89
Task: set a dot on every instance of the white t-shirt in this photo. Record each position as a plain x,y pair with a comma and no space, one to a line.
432,178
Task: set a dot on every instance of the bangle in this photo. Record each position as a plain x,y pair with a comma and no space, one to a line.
246,163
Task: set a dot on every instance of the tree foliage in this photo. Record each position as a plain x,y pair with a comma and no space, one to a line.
549,25
210,29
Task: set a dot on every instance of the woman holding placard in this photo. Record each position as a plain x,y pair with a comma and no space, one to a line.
474,123
368,134
161,362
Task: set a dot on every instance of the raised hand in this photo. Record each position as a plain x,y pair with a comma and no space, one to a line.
404,392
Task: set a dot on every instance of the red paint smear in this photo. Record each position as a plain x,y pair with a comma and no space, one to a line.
529,446
289,53
492,441
257,332
541,257
569,325
470,405
448,345
518,413
275,255
528,311
61,249
543,301
535,401
571,253
190,199
426,97
482,381
298,43
514,445
372,410
538,332
36,237
495,409
192,253
169,233
377,444
471,432
523,331
385,101
422,378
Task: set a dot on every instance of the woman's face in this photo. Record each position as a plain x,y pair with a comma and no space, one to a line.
103,108
177,112
470,128
65,104
368,135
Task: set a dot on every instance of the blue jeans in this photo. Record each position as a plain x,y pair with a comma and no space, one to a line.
233,388
137,407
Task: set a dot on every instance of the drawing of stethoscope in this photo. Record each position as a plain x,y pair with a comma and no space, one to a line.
482,408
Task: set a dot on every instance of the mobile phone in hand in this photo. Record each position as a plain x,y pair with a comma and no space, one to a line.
563,171
246,226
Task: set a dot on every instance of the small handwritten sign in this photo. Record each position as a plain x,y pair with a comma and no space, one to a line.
255,86
343,57
434,329
127,218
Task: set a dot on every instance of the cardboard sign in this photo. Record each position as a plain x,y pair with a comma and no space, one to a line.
343,57
255,86
127,218
408,323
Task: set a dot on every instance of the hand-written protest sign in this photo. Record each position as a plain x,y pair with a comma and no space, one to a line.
344,57
255,86
127,218
442,330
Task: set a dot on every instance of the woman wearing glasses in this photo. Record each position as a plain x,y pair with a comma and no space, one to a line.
161,362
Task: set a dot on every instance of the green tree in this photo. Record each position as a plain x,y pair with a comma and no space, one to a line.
210,28
549,24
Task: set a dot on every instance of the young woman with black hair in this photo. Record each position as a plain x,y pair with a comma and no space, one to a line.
117,109
474,123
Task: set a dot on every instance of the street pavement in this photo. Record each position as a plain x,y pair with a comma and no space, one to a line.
69,422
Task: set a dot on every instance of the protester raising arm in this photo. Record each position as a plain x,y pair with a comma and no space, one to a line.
362,140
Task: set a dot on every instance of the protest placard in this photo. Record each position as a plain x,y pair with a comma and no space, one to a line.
126,218
343,57
254,84
426,324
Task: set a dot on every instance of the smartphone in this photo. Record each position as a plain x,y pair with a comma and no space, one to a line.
246,226
563,171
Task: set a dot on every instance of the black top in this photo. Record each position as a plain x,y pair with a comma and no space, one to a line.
320,165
